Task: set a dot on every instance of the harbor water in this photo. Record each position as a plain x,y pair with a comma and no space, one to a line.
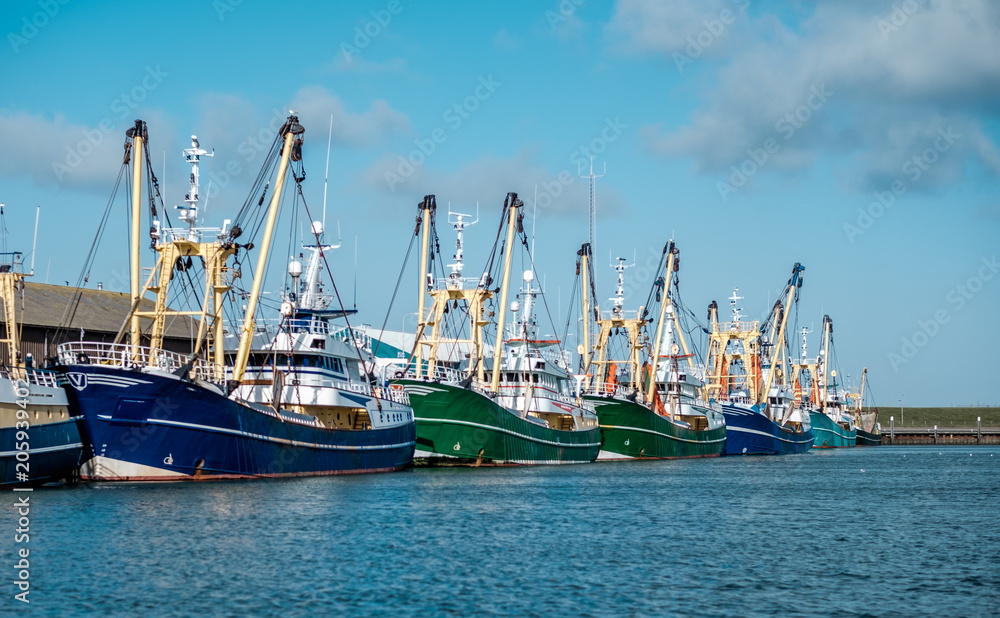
863,531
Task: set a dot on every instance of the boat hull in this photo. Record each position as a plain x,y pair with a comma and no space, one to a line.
52,435
866,438
632,431
463,427
748,432
828,434
152,427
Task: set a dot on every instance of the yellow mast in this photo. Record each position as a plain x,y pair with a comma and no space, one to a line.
137,133
827,327
585,284
427,207
10,277
290,129
861,396
659,325
512,205
781,333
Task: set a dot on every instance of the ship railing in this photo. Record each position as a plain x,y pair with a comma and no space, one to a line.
352,336
31,376
172,234
136,357
10,262
439,374
624,314
463,283
738,326
616,389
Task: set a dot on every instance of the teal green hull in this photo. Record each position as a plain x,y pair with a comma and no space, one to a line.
828,434
631,431
460,426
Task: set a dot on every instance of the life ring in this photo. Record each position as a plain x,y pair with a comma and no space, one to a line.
82,358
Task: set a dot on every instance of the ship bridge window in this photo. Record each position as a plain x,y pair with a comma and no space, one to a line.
318,343
534,378
512,377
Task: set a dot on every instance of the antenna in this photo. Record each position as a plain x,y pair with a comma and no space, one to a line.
593,203
34,242
326,175
355,266
189,212
458,222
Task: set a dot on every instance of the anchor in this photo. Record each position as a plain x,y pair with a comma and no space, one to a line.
457,447
169,459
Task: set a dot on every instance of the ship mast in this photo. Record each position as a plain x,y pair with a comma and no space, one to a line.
290,130
512,203
176,248
11,277
659,325
584,254
138,134
794,282
427,208
827,331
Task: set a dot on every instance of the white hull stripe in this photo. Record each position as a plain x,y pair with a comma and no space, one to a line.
764,433
838,434
421,390
447,421
47,449
246,434
662,435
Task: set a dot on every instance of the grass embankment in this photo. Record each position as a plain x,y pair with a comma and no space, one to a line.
942,417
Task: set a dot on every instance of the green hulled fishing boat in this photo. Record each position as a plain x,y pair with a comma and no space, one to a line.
647,394
832,421
512,406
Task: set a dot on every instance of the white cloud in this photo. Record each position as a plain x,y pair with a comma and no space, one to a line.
649,27
314,106
892,88
55,151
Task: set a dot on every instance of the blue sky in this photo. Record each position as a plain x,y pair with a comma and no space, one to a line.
756,134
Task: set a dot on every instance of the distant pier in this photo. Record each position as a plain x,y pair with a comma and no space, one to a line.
941,435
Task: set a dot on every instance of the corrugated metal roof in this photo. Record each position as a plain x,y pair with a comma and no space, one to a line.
45,306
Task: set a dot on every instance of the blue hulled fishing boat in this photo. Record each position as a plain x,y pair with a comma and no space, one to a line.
153,414
749,377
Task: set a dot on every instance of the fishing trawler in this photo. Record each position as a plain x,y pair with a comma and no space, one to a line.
761,415
150,414
39,437
869,431
832,423
649,399
514,406
308,365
